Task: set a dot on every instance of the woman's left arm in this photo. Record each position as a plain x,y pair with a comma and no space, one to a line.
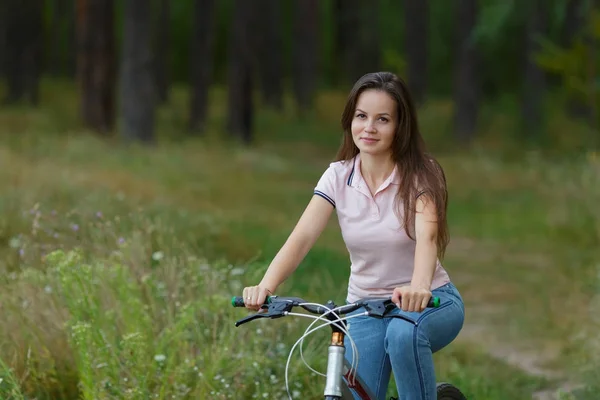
426,229
415,296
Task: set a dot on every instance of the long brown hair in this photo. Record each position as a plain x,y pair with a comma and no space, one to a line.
420,174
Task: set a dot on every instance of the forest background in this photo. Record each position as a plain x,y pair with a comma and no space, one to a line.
154,156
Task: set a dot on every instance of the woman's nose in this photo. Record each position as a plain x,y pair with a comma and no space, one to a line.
370,126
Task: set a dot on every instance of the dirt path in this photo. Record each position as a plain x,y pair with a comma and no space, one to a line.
527,358
479,270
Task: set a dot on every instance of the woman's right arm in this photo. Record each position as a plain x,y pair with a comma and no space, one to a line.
310,226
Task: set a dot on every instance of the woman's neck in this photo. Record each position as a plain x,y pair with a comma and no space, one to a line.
376,169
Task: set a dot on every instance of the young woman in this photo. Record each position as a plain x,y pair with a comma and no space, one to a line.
390,197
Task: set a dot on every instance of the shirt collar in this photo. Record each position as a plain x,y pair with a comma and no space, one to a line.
355,178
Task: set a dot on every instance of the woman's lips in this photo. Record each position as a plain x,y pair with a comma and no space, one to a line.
369,140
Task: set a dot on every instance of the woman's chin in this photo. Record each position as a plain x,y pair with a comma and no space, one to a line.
372,150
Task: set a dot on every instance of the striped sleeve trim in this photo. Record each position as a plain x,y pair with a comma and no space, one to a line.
323,195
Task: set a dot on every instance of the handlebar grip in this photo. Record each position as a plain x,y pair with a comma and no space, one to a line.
238,301
434,302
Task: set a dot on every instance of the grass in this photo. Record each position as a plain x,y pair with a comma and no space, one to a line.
117,264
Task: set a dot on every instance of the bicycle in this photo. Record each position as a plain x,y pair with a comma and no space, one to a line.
341,375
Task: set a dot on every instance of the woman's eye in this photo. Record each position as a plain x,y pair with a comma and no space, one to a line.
384,119
361,115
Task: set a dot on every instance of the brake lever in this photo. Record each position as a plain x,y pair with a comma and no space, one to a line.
275,309
389,306
249,318
377,307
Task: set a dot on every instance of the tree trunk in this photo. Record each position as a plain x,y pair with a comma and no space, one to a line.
466,79
23,49
138,92
591,42
357,43
96,65
163,38
70,61
534,80
61,57
416,36
201,62
339,42
347,51
305,53
574,20
270,49
240,70
3,43
371,38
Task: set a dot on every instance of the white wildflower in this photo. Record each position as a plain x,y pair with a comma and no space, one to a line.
204,267
14,243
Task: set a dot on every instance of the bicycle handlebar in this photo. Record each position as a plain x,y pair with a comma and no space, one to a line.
278,307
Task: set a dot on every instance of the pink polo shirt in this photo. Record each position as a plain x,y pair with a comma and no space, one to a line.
381,253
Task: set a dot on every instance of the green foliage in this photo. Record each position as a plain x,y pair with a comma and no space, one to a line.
393,61
569,63
573,63
111,343
9,386
492,22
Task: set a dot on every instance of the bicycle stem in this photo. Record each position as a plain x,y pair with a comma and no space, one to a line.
335,365
338,368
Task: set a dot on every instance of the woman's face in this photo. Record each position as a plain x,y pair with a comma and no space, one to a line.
374,122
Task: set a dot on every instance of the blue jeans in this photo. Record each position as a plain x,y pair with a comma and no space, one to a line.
406,348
